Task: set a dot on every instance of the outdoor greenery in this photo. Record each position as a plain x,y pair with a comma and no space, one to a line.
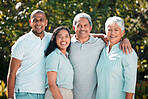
15,14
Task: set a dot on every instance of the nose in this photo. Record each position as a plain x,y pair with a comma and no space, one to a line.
82,27
38,22
63,38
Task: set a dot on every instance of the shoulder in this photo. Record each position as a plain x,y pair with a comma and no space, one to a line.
52,56
132,55
96,39
130,59
22,40
48,34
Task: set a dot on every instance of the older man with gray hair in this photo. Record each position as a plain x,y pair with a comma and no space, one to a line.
84,55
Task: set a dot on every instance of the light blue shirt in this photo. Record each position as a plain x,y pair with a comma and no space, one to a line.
58,62
116,73
84,58
30,76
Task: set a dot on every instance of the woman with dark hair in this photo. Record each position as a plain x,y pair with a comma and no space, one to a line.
58,67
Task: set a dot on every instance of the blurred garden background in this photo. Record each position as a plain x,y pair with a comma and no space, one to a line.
14,22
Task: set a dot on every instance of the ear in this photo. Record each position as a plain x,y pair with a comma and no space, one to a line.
30,22
122,33
46,22
73,28
90,29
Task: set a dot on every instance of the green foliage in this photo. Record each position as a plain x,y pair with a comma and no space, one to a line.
15,14
3,90
142,90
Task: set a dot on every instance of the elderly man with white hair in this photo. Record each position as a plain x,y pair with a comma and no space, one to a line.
116,71
84,55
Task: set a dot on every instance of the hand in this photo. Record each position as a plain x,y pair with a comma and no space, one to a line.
104,38
124,45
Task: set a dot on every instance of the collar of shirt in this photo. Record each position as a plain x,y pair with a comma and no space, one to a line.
36,37
114,48
74,40
59,52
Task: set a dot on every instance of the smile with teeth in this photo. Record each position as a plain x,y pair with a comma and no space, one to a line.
82,31
38,27
63,43
113,36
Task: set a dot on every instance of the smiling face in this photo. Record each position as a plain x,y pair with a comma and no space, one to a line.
82,28
114,33
38,22
63,39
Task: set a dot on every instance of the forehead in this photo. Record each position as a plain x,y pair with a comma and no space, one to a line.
38,15
83,20
113,25
63,31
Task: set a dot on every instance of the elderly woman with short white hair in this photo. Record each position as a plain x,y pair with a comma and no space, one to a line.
116,71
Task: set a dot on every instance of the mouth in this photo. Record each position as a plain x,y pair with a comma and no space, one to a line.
38,27
63,43
82,32
113,36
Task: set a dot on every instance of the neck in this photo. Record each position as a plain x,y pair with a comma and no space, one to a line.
41,35
110,47
63,51
82,40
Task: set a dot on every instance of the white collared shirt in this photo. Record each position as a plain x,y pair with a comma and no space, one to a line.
30,49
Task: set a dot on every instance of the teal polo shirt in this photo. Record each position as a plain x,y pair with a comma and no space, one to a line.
58,62
84,58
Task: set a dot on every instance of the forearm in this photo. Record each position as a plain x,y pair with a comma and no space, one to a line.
129,95
98,35
11,85
55,91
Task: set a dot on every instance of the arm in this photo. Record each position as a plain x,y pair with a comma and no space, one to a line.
124,45
13,67
52,76
129,64
102,36
129,95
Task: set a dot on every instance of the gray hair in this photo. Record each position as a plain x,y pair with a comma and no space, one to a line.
82,15
115,19
37,11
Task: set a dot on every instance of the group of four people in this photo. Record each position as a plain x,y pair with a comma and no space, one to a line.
72,68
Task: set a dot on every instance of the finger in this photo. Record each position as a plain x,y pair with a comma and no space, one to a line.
123,48
120,46
107,44
126,47
129,49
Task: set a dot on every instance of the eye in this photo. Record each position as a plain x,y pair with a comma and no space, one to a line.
109,30
116,29
66,36
42,20
86,25
59,36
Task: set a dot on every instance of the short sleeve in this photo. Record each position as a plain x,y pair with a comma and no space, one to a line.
129,63
18,49
52,61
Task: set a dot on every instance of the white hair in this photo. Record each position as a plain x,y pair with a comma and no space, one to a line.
116,20
82,15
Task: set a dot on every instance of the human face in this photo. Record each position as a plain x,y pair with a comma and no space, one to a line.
114,33
82,28
63,39
38,23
